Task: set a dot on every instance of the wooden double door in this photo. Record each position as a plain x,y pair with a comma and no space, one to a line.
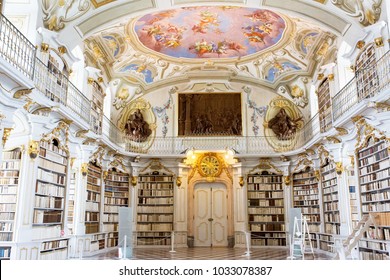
210,215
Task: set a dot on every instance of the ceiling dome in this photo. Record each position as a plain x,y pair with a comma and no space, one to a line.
210,32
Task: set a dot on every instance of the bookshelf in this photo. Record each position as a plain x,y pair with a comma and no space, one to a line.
50,188
366,73
155,208
353,202
306,197
93,203
54,249
116,194
71,201
266,212
9,185
330,198
374,182
324,106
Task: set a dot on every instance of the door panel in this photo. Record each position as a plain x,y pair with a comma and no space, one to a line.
210,215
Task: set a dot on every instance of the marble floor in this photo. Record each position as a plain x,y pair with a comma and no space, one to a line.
207,253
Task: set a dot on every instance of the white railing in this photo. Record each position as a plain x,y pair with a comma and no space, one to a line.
15,48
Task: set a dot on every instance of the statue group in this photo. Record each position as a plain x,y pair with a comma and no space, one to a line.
283,125
137,129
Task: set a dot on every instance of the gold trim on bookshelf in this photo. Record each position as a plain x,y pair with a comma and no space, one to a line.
356,118
33,147
155,164
61,133
342,131
6,134
360,44
44,47
339,167
331,77
379,42
287,180
22,92
81,133
84,169
241,181
90,81
352,161
320,76
379,106
105,174
100,80
265,163
333,139
72,160
134,180
62,49
178,181
317,174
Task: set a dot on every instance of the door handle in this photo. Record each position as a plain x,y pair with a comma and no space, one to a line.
211,219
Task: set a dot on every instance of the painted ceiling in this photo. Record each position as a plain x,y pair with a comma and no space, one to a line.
210,32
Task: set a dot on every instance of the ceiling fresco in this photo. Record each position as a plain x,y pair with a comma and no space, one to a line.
210,32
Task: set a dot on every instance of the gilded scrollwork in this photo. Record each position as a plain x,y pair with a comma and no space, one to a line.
61,133
367,11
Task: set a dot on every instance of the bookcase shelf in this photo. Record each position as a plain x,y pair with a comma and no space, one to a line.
116,194
324,106
93,203
97,107
54,249
374,182
266,213
9,188
155,208
306,197
330,198
50,187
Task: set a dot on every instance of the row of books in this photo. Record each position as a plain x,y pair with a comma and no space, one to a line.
5,252
93,180
9,181
265,187
264,179
266,227
6,226
329,168
379,207
8,189
92,228
93,168
153,234
52,147
150,241
60,254
53,156
124,185
373,168
52,166
332,229
375,158
117,191
329,183
375,186
381,246
117,178
49,202
155,227
375,148
54,244
330,197
310,210
7,216
46,217
154,218
268,234
301,203
330,176
50,190
376,197
91,206
10,165
9,173
93,196
332,218
6,236
116,201
375,176
302,183
91,217
331,206
298,196
14,154
266,218
313,218
383,219
110,227
155,192
152,186
155,178
111,208
266,203
8,198
268,242
155,200
108,218
93,188
255,194
50,177
332,189
266,211
155,209
370,255
8,207
303,175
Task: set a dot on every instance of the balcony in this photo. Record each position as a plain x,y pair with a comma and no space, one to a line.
16,50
